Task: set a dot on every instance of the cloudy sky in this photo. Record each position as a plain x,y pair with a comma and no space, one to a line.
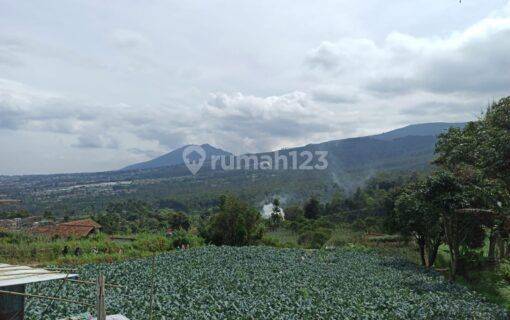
96,85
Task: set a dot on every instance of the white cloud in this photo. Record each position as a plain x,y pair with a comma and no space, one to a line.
95,141
23,107
250,123
103,93
474,60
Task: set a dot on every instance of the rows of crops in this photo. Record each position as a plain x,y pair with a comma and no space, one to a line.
267,283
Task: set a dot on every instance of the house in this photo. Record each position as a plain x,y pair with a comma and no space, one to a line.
76,229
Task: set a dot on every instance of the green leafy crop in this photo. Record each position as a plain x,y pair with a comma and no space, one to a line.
268,283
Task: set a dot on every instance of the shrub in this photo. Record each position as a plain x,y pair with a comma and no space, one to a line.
152,243
471,260
504,270
293,213
182,237
315,238
179,220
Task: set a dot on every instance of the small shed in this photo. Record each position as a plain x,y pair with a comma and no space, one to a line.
13,279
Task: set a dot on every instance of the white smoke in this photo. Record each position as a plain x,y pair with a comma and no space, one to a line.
267,210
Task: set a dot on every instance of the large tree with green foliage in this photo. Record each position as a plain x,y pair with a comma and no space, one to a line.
414,216
453,195
483,147
235,224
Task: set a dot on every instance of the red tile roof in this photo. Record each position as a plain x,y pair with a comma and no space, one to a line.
78,229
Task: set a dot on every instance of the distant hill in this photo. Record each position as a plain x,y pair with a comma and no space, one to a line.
167,182
175,158
375,150
424,129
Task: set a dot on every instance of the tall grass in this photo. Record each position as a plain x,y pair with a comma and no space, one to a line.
20,248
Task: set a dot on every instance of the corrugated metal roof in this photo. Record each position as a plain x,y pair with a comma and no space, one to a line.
11,275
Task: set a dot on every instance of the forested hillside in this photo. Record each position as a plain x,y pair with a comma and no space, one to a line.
350,163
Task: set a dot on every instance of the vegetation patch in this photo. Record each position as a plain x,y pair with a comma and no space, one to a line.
268,283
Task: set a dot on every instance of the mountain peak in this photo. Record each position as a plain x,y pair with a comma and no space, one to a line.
175,157
417,130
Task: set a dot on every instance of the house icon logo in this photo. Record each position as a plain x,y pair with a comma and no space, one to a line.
194,158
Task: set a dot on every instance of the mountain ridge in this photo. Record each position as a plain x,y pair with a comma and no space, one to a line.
175,157
351,163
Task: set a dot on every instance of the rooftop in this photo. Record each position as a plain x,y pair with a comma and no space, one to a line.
78,228
9,201
11,275
82,223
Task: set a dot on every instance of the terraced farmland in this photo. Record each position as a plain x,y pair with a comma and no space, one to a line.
268,283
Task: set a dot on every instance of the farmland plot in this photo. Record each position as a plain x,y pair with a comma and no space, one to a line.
268,283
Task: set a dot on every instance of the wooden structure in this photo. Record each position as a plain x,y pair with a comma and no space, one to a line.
13,280
101,311
12,291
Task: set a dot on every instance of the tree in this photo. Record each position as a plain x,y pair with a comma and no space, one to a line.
276,214
414,216
484,146
179,220
235,224
336,204
494,159
293,213
450,194
312,208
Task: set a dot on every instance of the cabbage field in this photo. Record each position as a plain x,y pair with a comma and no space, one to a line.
268,283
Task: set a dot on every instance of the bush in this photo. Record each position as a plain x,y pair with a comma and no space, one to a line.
504,270
471,260
181,237
293,213
277,243
179,220
152,243
314,239
343,236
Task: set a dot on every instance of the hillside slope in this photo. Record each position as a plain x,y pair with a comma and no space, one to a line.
351,163
416,138
175,157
